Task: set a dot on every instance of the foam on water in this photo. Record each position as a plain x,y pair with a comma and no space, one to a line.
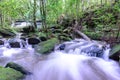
73,63
62,66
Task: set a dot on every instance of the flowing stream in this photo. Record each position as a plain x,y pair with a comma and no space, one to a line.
74,60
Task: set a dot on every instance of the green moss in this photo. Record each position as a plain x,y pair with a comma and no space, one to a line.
47,46
93,35
9,74
115,49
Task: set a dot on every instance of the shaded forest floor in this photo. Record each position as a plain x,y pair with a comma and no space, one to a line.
100,24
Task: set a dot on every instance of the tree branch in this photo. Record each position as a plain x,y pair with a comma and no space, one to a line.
82,34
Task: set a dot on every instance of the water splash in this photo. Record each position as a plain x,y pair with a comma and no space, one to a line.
62,66
74,62
88,48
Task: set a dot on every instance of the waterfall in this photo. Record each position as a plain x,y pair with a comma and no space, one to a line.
16,52
62,66
88,48
73,60
77,60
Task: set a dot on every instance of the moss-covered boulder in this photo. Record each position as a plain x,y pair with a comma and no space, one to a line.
46,46
18,68
10,74
115,52
7,33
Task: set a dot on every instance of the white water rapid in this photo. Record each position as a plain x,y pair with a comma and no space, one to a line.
74,60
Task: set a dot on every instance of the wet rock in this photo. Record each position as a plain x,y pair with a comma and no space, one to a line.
81,46
24,34
24,39
16,43
115,53
10,74
46,46
33,41
62,47
18,68
1,42
43,38
93,50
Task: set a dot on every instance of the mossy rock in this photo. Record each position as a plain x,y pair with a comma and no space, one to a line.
7,33
115,52
115,49
46,46
10,74
18,68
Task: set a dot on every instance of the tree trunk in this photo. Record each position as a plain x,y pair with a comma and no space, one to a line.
43,14
118,24
101,2
0,19
34,14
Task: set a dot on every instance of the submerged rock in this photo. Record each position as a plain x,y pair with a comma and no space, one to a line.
16,43
18,68
93,50
10,74
81,46
62,47
1,42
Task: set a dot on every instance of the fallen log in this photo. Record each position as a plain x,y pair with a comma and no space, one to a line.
82,35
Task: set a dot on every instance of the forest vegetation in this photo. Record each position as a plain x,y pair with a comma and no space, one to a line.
98,19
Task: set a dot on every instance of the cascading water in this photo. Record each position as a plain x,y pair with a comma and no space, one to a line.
77,60
73,60
8,54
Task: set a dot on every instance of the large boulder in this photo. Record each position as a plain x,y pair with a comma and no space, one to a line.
46,46
10,74
18,68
